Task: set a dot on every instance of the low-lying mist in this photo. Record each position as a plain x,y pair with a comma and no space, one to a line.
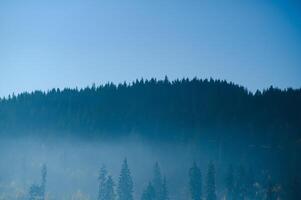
73,165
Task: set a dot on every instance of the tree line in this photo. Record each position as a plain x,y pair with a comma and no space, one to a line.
187,108
239,184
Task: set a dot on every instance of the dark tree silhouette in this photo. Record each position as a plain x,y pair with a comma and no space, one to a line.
158,182
102,183
125,183
149,193
210,183
37,192
165,194
195,182
109,189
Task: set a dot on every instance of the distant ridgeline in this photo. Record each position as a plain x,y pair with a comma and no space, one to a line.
159,109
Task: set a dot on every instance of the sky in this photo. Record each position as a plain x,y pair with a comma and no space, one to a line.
74,43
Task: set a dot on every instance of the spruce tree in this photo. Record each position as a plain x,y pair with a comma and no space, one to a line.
37,192
165,195
195,182
102,178
157,182
149,193
210,183
43,181
125,183
109,193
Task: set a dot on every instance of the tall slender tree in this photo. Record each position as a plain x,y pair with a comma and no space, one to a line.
165,195
157,182
109,189
210,183
102,178
43,180
195,182
149,193
125,183
37,192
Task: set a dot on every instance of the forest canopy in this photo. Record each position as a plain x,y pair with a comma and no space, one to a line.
159,109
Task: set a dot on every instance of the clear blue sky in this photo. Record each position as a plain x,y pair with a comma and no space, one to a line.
56,43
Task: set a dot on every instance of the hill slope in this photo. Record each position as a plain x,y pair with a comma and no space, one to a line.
182,109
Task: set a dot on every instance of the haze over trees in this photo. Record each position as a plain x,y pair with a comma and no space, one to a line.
184,139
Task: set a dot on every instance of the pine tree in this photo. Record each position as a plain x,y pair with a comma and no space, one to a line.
195,182
43,181
37,192
109,193
157,182
125,184
165,195
102,182
149,193
210,183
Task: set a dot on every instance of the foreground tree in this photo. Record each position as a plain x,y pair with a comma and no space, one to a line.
102,182
195,182
109,189
157,182
210,183
37,192
165,195
125,183
149,193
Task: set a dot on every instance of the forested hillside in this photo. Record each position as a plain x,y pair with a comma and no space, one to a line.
177,123
181,109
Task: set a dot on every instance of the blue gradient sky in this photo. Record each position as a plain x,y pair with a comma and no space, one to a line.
55,43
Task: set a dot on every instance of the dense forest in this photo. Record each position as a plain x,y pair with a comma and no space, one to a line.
215,140
181,109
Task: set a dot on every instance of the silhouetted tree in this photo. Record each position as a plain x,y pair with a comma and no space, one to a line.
158,182
102,183
37,192
109,189
165,194
149,193
125,183
195,182
210,183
